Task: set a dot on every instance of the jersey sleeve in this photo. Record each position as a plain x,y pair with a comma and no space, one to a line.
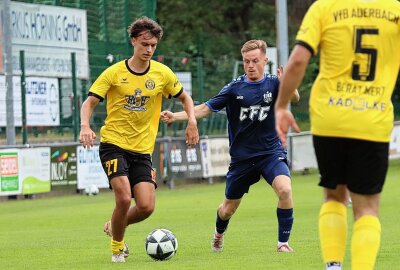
219,101
102,84
309,34
173,87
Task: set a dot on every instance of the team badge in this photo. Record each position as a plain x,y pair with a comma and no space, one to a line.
150,84
268,97
136,102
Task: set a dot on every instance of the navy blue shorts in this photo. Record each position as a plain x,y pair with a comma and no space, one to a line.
117,161
243,174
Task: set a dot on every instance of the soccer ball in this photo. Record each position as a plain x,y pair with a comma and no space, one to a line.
161,244
91,190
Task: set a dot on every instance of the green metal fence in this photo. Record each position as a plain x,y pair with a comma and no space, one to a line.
107,21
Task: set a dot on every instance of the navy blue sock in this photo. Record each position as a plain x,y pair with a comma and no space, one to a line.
220,224
285,221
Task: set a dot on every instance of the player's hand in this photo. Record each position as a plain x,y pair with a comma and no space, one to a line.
280,72
192,133
283,121
167,117
87,136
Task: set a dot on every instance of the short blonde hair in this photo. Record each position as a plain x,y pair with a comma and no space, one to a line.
253,45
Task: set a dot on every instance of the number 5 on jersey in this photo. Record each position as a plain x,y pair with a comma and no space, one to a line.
370,54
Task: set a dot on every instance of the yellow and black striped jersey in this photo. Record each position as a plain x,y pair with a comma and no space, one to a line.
359,44
134,103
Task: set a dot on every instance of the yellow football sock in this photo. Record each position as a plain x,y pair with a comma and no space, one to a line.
333,231
117,247
365,243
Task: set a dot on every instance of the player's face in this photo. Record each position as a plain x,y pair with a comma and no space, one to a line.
144,46
254,64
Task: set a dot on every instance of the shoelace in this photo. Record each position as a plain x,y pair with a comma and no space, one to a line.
217,241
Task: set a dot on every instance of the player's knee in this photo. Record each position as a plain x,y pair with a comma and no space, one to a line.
123,202
339,197
146,209
284,193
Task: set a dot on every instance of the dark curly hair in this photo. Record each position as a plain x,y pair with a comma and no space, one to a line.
147,25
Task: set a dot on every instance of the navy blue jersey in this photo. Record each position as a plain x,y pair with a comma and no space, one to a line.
251,118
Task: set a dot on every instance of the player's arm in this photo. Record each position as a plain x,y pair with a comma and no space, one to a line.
296,96
290,81
87,136
292,76
200,111
192,133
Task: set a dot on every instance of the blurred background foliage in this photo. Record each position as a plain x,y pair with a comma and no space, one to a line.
202,37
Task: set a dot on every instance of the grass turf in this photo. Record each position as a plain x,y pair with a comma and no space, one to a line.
65,232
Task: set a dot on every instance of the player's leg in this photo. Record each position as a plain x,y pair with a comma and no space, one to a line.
144,193
122,194
283,189
224,212
131,213
116,166
143,182
333,226
332,158
367,176
276,172
366,236
238,181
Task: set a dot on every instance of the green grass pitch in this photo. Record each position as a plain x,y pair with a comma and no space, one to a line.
66,232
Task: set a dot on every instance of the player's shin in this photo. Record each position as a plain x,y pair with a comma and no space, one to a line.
221,225
365,243
333,231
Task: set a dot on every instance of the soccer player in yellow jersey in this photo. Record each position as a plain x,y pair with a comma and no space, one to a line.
134,89
351,115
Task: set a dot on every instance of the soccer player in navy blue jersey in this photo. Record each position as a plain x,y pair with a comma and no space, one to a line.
255,147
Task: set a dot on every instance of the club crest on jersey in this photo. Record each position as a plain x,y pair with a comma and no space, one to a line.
150,84
136,102
268,97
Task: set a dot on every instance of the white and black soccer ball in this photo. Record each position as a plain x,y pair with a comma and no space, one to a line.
91,190
161,244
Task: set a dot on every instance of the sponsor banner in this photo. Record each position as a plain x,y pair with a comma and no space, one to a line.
9,172
394,148
48,35
90,171
63,169
17,101
184,161
42,101
215,156
35,170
